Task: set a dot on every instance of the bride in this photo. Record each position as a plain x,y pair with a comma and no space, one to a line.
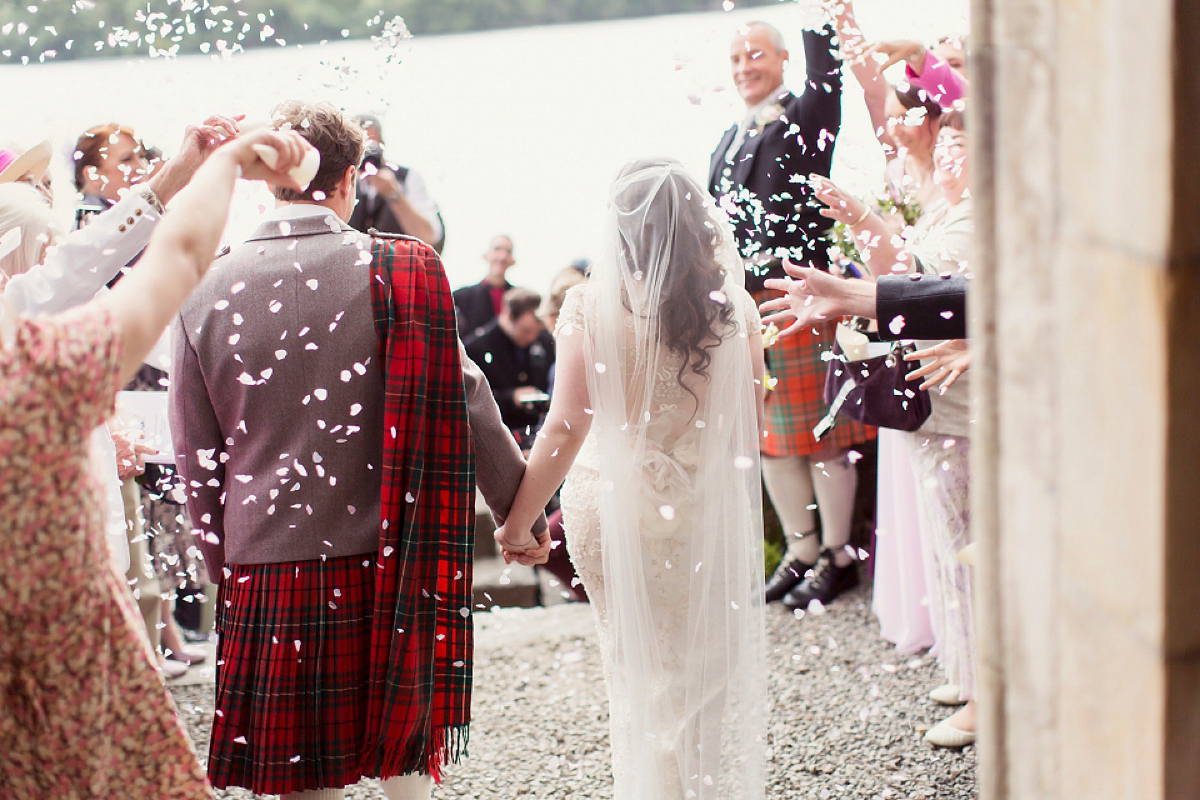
655,415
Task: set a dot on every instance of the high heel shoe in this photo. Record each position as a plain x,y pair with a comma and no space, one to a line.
186,655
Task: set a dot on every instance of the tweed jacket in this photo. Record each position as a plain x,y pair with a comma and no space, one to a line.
276,401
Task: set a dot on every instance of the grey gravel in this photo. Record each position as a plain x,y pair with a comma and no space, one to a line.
846,720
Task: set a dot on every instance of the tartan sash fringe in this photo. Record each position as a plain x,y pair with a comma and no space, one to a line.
427,755
422,647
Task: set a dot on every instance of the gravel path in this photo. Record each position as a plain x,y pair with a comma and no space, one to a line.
846,720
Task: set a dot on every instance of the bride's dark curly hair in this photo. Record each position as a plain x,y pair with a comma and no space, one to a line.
693,314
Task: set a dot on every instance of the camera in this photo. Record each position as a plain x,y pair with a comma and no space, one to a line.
373,155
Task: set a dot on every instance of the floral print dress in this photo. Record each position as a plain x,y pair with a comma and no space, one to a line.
83,711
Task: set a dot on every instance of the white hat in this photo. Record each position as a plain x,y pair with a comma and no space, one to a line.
35,160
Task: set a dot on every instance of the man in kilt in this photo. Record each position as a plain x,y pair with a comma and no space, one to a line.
758,174
320,421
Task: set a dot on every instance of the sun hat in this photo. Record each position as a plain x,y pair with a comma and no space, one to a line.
36,160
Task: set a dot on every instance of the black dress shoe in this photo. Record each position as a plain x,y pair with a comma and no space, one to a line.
824,583
787,576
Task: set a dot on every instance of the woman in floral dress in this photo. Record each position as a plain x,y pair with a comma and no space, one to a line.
83,713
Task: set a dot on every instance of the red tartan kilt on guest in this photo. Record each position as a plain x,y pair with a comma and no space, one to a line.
293,664
796,403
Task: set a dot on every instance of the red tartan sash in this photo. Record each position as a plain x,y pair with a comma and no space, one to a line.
422,640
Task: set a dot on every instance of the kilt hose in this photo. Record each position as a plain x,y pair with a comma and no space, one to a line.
293,664
795,403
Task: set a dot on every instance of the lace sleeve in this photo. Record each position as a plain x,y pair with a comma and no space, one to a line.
749,311
571,315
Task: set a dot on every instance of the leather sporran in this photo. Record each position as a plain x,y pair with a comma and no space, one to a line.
872,388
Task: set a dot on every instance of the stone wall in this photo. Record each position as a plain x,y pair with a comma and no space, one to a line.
1086,464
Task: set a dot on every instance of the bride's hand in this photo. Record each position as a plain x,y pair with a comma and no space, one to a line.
517,544
538,552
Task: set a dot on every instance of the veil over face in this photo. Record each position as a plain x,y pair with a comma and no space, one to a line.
671,384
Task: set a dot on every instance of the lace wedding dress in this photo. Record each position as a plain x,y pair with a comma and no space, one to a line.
663,519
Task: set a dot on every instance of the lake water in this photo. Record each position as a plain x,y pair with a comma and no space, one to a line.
517,131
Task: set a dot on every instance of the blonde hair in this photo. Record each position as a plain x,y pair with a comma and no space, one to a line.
23,208
562,282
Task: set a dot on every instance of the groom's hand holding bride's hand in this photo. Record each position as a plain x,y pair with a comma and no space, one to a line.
535,551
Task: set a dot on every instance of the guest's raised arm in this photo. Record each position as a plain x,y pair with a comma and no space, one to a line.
85,260
182,248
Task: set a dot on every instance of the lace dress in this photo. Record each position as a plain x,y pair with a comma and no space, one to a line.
665,517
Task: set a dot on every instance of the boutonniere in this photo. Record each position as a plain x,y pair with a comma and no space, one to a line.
767,115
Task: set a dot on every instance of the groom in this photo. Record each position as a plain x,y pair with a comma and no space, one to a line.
758,174
329,450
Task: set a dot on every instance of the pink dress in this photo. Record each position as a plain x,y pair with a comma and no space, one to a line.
900,599
83,712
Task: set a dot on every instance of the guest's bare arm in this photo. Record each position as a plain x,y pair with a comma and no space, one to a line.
950,359
882,250
866,71
413,222
199,142
811,296
183,246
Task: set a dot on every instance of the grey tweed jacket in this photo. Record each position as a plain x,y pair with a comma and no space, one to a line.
276,402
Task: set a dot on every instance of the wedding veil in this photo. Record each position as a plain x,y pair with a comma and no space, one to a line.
670,379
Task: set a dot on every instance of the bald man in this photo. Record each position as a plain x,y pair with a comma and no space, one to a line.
758,173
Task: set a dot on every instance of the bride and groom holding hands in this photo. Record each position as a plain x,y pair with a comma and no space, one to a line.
365,638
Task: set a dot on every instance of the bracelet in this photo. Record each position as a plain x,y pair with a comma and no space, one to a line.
865,214
396,195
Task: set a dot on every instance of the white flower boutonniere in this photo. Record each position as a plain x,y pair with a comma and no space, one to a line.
767,115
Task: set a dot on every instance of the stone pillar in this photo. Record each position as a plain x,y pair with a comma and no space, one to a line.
1086,462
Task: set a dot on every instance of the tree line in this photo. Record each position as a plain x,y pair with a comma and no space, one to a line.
38,31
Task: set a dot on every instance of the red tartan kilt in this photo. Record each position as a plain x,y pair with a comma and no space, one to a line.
796,403
293,665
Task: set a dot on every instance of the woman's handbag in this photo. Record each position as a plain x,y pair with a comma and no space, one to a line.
870,387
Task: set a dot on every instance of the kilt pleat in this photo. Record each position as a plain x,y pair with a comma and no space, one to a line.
796,402
293,667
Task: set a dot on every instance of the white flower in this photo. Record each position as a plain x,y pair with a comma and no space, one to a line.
767,115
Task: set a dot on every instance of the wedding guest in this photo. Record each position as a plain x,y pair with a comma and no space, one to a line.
939,244
85,712
109,159
480,303
906,119
567,277
953,51
392,198
111,167
333,493
30,166
751,175
907,306
516,360
68,271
